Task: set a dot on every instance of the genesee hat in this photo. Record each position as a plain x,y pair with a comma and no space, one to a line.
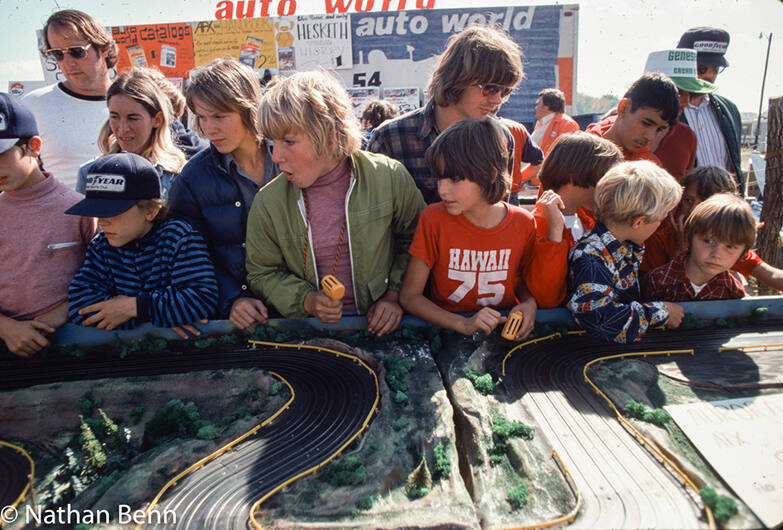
680,65
710,43
115,183
16,122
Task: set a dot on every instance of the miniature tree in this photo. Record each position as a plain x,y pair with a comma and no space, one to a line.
171,420
419,481
517,496
723,507
482,383
442,462
94,456
113,437
350,471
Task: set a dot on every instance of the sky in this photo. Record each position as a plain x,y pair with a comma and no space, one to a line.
615,36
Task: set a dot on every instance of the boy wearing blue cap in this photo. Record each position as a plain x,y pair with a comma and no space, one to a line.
141,268
42,248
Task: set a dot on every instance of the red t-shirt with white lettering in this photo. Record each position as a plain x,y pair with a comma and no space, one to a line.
473,267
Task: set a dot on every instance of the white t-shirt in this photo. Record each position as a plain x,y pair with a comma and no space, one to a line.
69,124
697,288
574,224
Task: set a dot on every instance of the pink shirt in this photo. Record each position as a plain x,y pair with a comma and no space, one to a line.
41,247
326,201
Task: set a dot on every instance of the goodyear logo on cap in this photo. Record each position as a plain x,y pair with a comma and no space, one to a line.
98,182
710,46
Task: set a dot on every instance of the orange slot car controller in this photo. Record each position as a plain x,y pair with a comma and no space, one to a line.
513,325
332,287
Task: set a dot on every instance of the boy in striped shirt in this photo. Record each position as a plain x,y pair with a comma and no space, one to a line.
141,268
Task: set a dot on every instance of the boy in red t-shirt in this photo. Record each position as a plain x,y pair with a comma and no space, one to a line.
563,213
668,241
471,252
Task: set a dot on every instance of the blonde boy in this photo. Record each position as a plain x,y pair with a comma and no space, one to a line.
631,200
719,231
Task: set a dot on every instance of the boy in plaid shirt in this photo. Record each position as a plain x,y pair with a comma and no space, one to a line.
631,199
719,232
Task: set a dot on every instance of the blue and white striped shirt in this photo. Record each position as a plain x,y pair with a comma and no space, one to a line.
168,271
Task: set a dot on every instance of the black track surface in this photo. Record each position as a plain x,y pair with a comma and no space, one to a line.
334,395
623,486
14,475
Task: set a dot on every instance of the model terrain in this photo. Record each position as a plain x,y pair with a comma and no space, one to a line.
423,428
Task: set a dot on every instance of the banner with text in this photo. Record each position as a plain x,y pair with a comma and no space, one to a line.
166,47
402,49
249,40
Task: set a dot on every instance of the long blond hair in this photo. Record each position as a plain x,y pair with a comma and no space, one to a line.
159,148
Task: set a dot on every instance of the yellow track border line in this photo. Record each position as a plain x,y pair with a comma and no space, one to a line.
373,410
31,476
645,442
198,465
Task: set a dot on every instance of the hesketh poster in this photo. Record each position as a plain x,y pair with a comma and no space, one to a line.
322,41
168,47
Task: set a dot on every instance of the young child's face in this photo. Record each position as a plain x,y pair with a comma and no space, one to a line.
690,199
460,196
711,256
131,124
128,226
16,168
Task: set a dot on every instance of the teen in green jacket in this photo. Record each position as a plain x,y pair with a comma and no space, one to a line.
333,210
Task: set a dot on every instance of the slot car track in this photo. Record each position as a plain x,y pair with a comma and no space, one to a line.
334,398
15,471
622,484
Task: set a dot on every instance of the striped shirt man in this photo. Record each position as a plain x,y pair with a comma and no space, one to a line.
168,271
711,148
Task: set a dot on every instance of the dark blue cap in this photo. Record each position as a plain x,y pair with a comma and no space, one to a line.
710,43
115,183
15,122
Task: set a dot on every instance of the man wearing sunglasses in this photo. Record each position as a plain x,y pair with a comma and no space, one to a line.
715,120
476,74
70,113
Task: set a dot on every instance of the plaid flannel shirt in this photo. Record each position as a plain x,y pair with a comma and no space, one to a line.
604,277
406,138
669,282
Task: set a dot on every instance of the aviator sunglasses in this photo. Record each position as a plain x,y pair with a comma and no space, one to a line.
490,89
77,52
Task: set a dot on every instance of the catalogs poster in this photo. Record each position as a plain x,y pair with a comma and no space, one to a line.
167,47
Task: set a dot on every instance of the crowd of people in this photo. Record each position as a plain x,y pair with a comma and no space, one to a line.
279,204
